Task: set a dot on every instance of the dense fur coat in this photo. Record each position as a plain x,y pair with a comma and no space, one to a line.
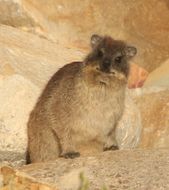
78,110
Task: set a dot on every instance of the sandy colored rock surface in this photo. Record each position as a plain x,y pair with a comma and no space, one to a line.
130,126
159,77
34,58
16,14
141,169
9,180
12,13
60,21
138,22
17,97
154,107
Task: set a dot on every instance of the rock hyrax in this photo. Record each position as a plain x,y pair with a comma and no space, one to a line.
79,108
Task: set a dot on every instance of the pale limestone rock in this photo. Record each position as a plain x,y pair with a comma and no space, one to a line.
154,108
17,97
159,77
14,13
32,57
129,128
71,23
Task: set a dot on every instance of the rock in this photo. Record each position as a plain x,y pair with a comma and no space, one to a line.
159,77
15,13
139,169
137,76
147,31
17,97
129,127
61,22
7,173
34,58
154,107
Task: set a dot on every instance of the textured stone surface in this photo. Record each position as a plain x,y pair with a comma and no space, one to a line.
137,77
159,77
154,107
17,97
32,57
138,22
129,128
147,31
10,181
15,13
141,169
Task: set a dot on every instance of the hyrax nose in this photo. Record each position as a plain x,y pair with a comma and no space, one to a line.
106,65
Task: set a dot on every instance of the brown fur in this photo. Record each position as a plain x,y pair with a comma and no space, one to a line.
80,106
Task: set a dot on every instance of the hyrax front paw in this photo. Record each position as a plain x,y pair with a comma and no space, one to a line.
111,144
70,155
113,147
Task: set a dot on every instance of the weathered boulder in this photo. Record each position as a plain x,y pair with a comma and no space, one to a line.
147,31
129,127
137,76
34,58
16,13
154,107
61,22
17,97
139,169
159,77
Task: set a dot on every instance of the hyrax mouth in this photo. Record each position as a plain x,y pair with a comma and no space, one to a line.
112,72
117,74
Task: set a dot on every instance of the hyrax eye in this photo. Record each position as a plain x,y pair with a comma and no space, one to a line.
118,59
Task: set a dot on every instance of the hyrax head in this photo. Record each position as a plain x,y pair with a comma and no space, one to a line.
109,55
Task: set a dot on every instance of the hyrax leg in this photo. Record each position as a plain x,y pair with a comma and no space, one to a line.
111,143
43,145
68,149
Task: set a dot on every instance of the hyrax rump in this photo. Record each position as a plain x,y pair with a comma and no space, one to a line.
78,110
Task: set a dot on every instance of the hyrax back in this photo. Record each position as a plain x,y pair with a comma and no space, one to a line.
78,110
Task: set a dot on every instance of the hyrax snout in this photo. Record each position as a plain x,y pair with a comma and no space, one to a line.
80,106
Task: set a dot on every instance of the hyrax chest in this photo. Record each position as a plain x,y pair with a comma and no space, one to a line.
99,109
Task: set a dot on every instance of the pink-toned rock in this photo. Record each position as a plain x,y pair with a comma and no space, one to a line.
137,76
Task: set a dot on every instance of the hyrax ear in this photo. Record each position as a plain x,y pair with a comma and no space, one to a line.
130,51
95,39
